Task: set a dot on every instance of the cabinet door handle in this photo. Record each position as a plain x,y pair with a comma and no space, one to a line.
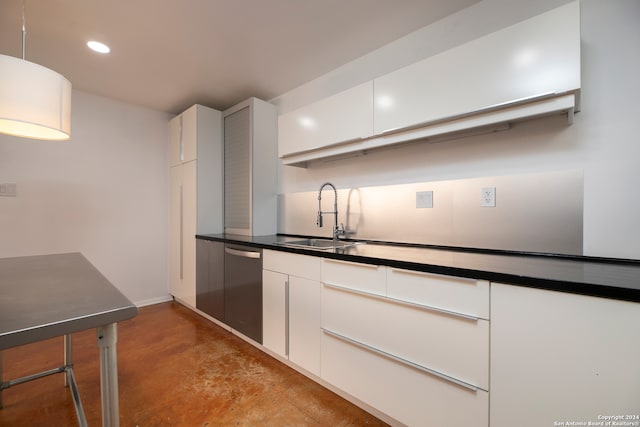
401,360
286,317
181,143
357,264
244,254
181,231
481,110
435,275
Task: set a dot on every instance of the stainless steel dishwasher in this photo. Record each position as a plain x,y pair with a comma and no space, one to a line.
243,290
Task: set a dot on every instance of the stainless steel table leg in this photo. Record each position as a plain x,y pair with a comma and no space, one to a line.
67,357
1,379
107,338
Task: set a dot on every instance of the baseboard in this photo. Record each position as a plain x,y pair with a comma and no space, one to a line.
152,301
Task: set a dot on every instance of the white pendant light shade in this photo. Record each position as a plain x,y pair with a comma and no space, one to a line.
35,102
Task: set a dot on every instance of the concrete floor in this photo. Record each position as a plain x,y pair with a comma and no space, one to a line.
175,369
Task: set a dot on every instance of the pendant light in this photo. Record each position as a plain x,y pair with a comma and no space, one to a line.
35,102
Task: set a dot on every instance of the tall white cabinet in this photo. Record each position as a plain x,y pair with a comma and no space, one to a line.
195,194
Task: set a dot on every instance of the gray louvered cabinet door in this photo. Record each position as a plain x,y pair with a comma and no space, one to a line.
250,171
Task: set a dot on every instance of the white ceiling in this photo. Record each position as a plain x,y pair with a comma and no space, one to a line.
170,54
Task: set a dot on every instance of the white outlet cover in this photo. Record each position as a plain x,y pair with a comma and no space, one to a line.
424,199
488,197
8,190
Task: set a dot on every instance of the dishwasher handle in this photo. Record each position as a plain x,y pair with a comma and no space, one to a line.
244,254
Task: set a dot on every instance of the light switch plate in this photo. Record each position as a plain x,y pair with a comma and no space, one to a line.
424,199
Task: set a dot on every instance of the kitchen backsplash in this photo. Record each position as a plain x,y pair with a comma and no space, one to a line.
533,212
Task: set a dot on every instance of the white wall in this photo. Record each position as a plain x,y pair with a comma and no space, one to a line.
102,193
603,141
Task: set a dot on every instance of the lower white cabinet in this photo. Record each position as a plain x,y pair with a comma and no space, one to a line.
558,358
291,308
405,393
427,349
274,311
304,323
391,342
449,345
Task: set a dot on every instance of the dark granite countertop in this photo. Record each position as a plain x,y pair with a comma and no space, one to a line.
602,277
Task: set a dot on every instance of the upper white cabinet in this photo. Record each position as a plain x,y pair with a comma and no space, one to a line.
529,69
536,57
183,136
195,192
250,168
343,117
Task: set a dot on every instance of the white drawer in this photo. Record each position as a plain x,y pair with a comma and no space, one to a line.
453,346
455,294
410,396
292,264
363,277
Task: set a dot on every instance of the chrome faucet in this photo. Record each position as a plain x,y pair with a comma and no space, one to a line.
337,231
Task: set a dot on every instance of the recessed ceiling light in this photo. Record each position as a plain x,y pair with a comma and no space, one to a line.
98,47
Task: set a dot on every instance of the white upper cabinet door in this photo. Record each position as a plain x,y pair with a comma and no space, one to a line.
536,57
183,135
345,116
175,145
189,134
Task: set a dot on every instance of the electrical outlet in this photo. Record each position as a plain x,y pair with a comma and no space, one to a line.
424,199
488,198
8,190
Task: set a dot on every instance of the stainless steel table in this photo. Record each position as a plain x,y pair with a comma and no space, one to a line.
47,296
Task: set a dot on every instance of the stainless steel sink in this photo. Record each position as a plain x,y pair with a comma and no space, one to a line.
321,244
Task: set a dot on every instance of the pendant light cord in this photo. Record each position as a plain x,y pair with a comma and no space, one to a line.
24,30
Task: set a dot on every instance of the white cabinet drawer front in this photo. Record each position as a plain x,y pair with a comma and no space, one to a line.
453,346
412,397
456,294
363,277
342,117
292,264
